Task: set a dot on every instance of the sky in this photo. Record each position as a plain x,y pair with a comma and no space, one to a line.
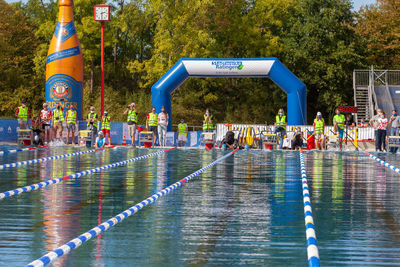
357,3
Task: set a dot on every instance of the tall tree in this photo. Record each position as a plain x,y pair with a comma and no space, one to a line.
17,44
322,49
379,27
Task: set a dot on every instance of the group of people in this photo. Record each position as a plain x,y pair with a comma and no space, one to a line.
380,123
340,122
156,123
55,121
296,141
46,121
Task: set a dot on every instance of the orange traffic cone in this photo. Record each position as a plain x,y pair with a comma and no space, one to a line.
124,141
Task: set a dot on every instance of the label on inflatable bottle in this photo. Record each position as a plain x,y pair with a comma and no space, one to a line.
64,63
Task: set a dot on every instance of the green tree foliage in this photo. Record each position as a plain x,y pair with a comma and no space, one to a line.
17,45
321,48
321,41
379,27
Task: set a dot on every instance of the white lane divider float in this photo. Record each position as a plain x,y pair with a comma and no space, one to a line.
75,175
312,247
26,162
384,163
77,242
5,152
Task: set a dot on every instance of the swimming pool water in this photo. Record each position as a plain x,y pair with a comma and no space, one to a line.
246,210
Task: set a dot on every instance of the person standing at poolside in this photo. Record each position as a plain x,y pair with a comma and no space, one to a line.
280,125
381,132
152,123
22,115
46,116
319,126
91,120
106,126
373,122
58,119
394,127
132,120
338,124
208,121
70,123
182,133
162,126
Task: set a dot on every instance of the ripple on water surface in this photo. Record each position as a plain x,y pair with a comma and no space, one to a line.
246,210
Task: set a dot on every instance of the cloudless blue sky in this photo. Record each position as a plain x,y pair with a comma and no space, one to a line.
357,3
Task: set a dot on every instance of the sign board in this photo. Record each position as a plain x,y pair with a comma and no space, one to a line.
229,67
347,109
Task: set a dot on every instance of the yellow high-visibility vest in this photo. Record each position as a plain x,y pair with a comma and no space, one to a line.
182,129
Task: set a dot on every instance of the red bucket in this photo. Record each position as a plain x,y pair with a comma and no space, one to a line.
27,142
147,144
208,145
139,128
269,147
310,142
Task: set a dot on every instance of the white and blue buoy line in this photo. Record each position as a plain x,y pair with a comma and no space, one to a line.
78,241
75,175
312,246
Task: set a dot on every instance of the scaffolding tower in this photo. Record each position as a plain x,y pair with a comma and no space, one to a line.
375,89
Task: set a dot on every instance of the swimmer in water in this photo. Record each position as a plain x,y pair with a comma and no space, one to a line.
100,140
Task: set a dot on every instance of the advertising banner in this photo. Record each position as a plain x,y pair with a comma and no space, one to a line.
228,67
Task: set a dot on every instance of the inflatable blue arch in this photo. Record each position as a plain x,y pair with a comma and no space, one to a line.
233,68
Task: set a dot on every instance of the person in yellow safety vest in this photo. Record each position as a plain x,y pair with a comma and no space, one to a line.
91,120
70,123
182,133
106,126
280,125
22,115
208,121
319,126
132,121
338,125
152,123
58,119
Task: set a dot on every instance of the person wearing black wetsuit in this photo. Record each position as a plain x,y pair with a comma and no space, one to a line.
229,140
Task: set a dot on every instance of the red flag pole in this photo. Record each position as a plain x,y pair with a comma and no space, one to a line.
102,68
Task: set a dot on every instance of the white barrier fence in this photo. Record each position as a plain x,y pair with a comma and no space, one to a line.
363,134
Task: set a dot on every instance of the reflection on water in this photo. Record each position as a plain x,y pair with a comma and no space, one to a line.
247,210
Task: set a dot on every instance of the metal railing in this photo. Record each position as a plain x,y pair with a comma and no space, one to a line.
372,78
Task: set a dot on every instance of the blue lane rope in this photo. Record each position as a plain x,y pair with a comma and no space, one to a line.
26,162
5,152
312,247
384,163
75,175
77,242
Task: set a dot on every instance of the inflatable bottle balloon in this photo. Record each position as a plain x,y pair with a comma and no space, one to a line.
64,64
